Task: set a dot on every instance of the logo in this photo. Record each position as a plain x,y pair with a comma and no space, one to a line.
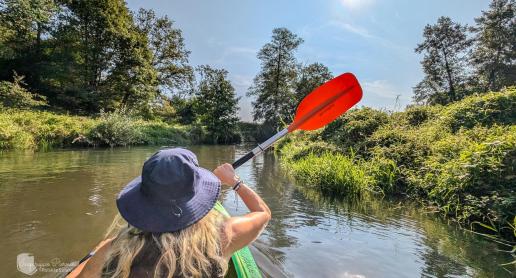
25,263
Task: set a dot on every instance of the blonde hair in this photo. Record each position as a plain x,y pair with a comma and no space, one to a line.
194,251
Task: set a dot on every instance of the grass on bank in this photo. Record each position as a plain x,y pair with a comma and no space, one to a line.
459,159
40,130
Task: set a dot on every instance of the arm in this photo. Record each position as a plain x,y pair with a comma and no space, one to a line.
242,230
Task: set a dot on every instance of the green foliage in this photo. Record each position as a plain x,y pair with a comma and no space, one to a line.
309,78
274,86
21,129
445,47
13,95
216,105
472,173
494,107
325,172
352,129
495,46
115,129
169,55
458,158
92,55
160,133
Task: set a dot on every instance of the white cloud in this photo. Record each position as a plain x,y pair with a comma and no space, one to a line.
355,5
352,28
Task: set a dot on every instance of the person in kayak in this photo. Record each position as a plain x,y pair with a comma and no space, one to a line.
168,227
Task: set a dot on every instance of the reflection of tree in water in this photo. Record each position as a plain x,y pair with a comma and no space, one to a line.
445,249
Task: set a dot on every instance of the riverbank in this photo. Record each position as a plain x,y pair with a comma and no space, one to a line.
459,159
41,130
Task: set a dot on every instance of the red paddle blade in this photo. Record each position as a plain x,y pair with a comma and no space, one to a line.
327,102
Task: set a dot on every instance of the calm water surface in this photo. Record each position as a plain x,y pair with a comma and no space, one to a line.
57,205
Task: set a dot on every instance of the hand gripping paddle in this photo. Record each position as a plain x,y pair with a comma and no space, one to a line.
319,108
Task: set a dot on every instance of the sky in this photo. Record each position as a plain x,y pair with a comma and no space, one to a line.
374,39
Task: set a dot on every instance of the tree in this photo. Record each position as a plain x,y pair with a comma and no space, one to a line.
309,78
494,54
274,87
169,55
445,47
23,26
216,105
106,58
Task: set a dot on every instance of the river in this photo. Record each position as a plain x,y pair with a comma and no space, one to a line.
55,206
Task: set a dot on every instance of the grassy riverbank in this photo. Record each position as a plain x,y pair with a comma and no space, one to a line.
458,159
38,130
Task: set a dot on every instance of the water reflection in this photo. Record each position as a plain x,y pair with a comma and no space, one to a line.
58,205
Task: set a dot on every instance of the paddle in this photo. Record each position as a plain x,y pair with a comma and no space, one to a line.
323,105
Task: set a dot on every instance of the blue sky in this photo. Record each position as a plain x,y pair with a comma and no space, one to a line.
374,39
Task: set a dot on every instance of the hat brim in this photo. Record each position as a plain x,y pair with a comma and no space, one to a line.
147,216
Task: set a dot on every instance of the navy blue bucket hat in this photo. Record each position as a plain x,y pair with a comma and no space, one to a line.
172,193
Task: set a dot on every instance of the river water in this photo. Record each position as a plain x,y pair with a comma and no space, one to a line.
55,206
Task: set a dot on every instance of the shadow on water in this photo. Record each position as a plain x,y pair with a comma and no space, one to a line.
57,205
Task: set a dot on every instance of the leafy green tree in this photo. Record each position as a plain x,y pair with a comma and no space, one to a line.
275,86
445,45
311,77
217,105
23,26
109,63
169,55
494,54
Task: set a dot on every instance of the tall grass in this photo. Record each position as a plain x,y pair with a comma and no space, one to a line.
39,130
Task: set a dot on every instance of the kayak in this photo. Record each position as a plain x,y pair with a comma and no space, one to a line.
242,264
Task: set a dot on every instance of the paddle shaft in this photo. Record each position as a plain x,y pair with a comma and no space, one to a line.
260,148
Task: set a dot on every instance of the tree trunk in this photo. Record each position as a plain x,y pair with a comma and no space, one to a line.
449,76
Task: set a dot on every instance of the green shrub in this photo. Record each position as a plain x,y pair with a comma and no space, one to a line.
353,128
486,109
12,136
159,133
416,115
328,172
115,129
472,174
13,95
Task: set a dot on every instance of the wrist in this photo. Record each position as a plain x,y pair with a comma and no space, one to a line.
237,185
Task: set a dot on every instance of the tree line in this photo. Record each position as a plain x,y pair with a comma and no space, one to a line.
460,60
87,56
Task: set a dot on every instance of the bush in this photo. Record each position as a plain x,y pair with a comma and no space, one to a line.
472,174
159,133
115,129
486,110
353,128
13,95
